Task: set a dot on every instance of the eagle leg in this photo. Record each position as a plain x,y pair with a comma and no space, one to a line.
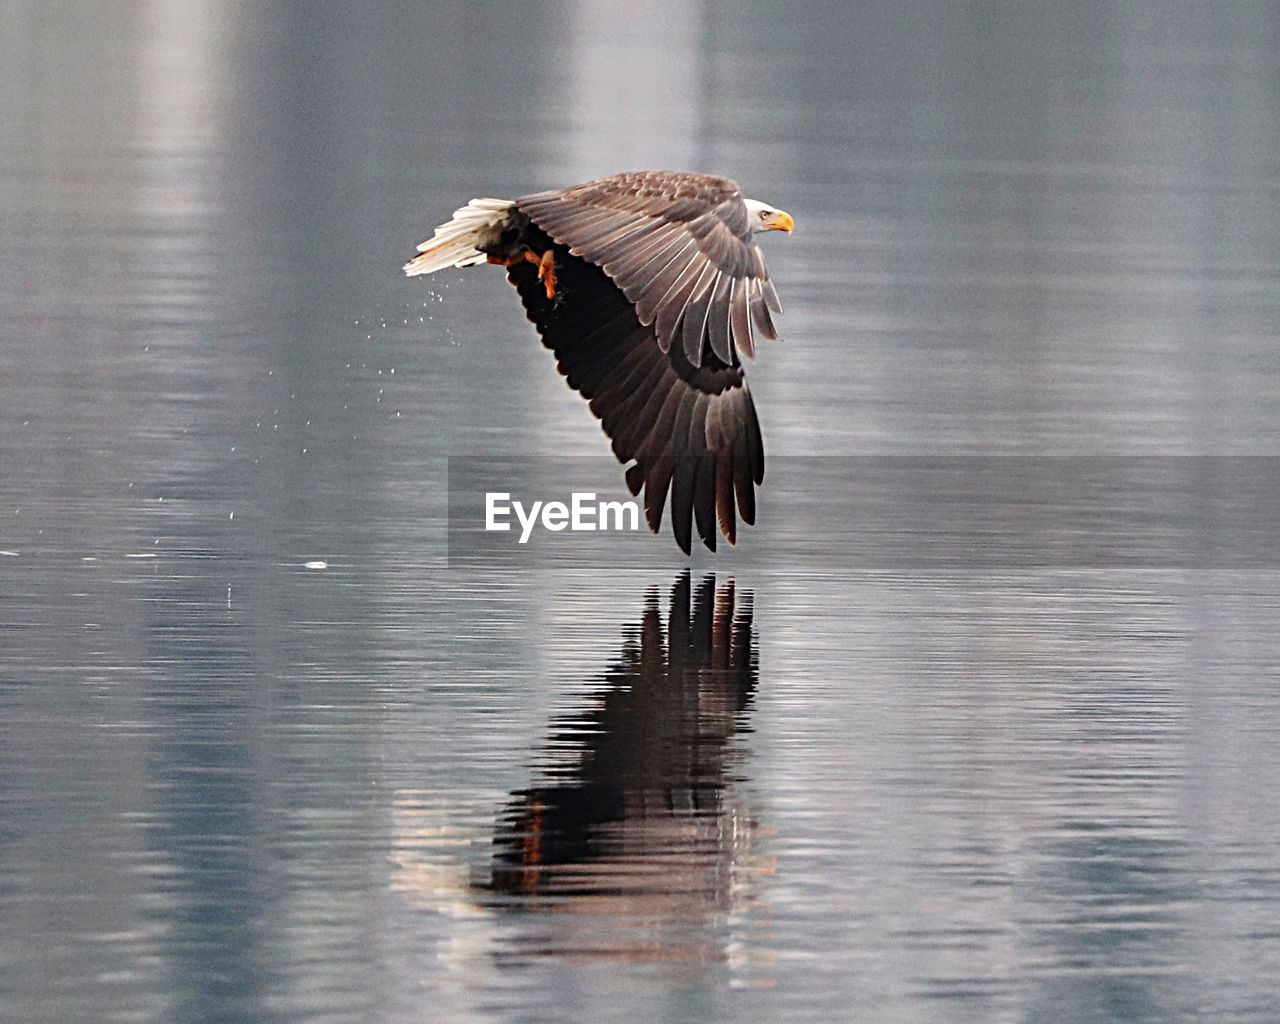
546,266
546,270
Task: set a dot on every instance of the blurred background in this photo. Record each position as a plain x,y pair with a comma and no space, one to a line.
978,722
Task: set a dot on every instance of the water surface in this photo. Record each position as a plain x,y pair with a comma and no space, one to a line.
978,723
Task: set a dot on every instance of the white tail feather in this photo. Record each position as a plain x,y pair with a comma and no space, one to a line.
458,243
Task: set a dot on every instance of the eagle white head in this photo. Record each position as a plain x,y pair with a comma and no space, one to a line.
763,217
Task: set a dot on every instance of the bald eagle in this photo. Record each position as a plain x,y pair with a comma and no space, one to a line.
648,287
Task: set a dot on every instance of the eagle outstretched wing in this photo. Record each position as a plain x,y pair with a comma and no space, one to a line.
691,430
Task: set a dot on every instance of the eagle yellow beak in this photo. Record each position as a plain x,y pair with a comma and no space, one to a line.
779,220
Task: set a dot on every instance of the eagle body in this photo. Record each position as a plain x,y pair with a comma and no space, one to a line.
647,286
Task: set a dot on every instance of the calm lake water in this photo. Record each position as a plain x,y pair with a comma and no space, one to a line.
979,723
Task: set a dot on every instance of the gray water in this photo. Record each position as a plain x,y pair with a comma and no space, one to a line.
979,723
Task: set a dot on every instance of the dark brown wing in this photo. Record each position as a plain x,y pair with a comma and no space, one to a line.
691,430
679,247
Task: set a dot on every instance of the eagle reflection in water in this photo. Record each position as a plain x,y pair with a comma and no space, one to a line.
640,819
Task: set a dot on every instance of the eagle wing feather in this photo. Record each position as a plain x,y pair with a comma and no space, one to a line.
691,430
680,248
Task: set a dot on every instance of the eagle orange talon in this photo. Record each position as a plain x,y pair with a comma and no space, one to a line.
547,272
546,266
546,269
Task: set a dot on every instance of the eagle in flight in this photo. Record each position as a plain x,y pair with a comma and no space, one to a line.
648,287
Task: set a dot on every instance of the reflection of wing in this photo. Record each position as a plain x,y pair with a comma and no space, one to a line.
690,429
646,809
